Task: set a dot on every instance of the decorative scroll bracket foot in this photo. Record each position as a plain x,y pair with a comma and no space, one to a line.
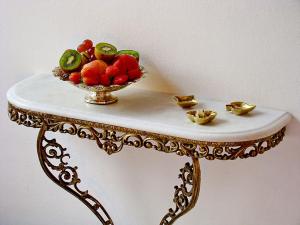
112,139
53,159
187,194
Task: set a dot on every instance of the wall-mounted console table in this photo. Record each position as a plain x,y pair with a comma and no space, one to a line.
141,119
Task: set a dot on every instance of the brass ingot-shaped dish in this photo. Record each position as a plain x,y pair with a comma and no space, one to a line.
201,116
240,108
186,101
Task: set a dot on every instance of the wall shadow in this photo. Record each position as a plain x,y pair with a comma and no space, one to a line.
156,80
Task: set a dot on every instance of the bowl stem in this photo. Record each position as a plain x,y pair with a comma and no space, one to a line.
100,98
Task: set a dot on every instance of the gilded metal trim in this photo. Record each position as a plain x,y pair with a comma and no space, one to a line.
112,139
53,159
186,195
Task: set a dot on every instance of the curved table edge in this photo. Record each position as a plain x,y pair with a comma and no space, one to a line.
181,146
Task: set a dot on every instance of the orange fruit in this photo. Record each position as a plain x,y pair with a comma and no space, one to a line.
92,71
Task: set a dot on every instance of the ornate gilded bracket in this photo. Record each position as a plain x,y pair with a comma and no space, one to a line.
186,195
53,159
112,139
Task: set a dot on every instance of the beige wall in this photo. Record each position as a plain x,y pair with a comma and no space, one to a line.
222,50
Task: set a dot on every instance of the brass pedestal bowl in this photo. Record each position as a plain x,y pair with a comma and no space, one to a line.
97,94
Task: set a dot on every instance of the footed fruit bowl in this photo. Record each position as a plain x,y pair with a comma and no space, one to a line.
97,94
100,70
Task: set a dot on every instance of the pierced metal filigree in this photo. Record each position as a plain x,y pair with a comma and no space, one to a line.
53,159
186,195
112,139
23,117
241,150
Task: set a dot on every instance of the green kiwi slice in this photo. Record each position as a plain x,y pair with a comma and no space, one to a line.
133,53
70,60
105,51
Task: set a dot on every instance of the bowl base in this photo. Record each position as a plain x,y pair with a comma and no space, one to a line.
100,98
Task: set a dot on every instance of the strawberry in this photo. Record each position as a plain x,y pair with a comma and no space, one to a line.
105,79
134,74
112,71
120,65
129,62
87,43
126,63
120,79
75,77
81,48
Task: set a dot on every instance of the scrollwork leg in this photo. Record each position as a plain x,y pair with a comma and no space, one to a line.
186,195
53,159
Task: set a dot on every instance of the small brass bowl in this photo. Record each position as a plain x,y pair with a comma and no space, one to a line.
240,108
201,116
186,101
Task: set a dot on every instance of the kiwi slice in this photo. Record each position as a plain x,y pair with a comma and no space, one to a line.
105,51
70,60
85,58
133,53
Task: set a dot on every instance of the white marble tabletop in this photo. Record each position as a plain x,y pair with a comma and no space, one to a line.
145,110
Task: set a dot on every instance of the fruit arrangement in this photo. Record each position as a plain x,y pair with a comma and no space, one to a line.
99,65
